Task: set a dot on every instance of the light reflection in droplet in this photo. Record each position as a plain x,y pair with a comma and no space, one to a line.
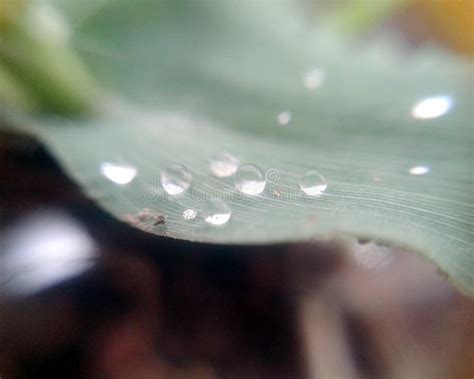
284,118
216,212
224,165
420,170
176,179
250,180
314,78
313,183
432,107
189,214
119,173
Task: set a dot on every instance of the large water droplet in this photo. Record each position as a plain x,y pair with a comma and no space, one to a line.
313,184
189,214
223,165
249,179
176,179
420,170
284,118
119,173
216,212
314,78
432,107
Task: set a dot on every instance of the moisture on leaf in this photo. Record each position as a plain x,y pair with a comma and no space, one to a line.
314,137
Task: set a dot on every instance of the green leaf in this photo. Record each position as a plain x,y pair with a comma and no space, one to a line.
189,79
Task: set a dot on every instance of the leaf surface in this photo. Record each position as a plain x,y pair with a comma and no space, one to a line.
190,79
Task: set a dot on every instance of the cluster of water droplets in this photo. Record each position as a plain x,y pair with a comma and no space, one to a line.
249,179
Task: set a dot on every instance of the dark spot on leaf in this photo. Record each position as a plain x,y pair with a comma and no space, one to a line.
159,220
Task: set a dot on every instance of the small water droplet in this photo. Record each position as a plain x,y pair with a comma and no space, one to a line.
176,179
314,78
224,165
420,170
284,118
119,173
189,214
216,212
432,107
249,180
313,184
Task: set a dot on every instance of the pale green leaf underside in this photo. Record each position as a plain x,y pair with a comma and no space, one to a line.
205,77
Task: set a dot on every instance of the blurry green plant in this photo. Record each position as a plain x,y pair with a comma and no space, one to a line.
186,80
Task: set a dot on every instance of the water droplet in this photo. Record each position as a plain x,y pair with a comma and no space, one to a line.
176,179
119,173
314,78
420,170
313,184
284,118
432,107
216,212
223,165
249,180
189,214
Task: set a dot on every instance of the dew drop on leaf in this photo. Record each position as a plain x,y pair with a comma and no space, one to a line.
420,170
432,107
189,214
284,118
216,212
250,180
313,78
119,173
224,165
176,179
313,184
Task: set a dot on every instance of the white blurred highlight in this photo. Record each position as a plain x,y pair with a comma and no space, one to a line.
432,107
420,170
42,251
118,173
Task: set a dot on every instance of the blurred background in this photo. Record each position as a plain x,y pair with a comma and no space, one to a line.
86,296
